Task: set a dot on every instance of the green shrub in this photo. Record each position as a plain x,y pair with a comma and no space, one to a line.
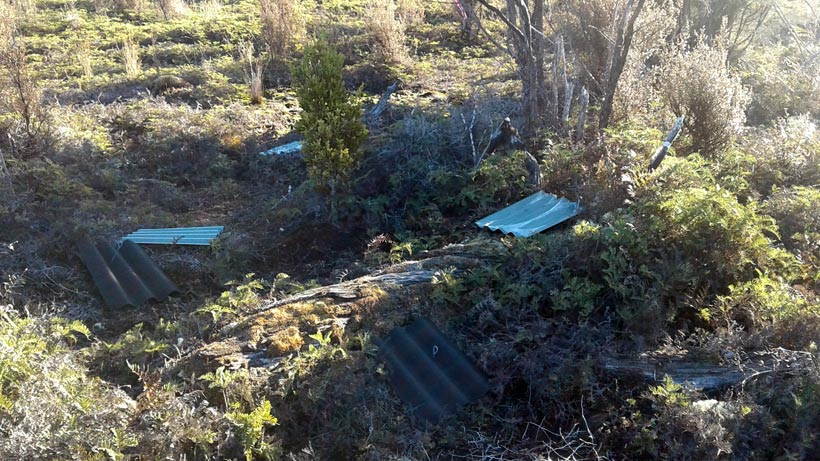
797,212
331,120
25,122
50,408
784,81
499,179
761,301
698,83
787,154
683,234
715,232
251,427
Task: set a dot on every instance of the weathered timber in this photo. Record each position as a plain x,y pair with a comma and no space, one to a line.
377,110
533,170
353,288
705,375
568,91
582,114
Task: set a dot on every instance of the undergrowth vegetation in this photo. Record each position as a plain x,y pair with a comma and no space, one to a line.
676,317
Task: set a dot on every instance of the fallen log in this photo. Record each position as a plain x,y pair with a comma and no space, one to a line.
352,289
705,375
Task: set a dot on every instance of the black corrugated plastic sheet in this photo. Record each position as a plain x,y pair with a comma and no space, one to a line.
125,276
428,373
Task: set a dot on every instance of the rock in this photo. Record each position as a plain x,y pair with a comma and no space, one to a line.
163,83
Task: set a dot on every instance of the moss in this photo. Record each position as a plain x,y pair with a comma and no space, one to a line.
285,342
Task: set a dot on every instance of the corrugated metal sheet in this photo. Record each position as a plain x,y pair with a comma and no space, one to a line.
125,276
285,149
176,235
428,373
529,216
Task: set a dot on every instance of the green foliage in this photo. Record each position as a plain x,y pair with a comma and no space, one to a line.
136,345
67,330
499,179
670,393
763,301
577,294
528,271
331,120
242,294
796,213
21,348
716,232
322,339
43,386
447,287
222,378
683,234
251,430
216,311
285,284
561,166
232,384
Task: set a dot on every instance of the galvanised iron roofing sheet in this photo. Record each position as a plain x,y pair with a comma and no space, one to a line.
428,373
176,235
125,276
529,216
285,149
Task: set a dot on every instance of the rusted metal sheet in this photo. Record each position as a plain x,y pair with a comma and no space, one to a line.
529,216
176,235
125,276
429,373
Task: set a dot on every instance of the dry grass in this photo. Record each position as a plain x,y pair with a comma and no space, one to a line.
171,9
411,12
25,7
83,53
305,314
130,52
283,25
254,67
210,9
138,6
387,31
8,24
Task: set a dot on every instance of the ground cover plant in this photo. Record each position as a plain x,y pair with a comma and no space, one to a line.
676,317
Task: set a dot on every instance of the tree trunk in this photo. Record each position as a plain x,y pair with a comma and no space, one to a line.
582,114
526,29
626,30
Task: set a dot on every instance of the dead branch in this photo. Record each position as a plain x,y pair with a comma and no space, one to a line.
377,110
